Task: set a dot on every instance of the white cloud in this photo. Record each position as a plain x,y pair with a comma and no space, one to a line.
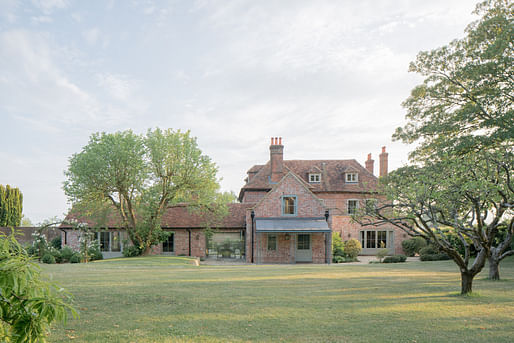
48,6
91,36
120,87
43,19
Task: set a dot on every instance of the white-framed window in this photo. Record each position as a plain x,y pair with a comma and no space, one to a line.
351,206
289,205
110,241
375,239
352,177
272,242
314,178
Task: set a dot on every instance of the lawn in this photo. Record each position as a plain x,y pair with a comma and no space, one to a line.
166,299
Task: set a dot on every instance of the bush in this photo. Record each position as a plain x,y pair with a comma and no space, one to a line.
48,258
338,259
95,254
56,242
337,246
352,248
413,245
75,258
131,251
66,254
32,251
56,254
395,259
434,257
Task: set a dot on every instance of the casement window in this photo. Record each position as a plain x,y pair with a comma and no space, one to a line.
352,206
169,244
109,241
314,178
304,242
371,205
373,239
272,242
289,205
352,177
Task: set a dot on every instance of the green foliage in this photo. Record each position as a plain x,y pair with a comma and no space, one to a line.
56,242
48,258
395,259
131,250
352,248
432,253
382,252
413,245
140,176
28,304
66,253
465,102
337,247
11,206
75,258
95,254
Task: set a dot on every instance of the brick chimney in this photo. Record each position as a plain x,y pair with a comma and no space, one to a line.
276,158
383,162
370,164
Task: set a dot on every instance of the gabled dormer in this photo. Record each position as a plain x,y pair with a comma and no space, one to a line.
351,175
314,175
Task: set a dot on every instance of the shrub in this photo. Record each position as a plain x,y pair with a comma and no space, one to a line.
95,254
56,242
66,254
352,248
432,253
413,245
395,259
338,259
48,258
131,251
75,258
56,254
337,245
32,251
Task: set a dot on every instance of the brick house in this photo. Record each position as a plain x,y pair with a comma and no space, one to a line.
300,203
287,212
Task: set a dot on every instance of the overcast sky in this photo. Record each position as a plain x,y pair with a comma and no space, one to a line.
327,76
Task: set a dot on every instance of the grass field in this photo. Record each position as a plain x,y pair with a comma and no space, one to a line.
166,299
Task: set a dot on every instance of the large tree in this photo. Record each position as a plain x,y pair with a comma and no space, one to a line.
11,206
140,176
460,117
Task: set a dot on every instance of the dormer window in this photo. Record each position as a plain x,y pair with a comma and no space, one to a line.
314,178
352,177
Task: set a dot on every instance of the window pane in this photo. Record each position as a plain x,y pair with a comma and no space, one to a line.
352,206
104,241
304,242
371,242
272,242
167,245
115,241
289,204
382,239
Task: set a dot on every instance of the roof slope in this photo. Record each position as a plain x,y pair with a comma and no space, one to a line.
178,216
332,175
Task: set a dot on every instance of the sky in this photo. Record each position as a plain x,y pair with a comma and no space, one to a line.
327,76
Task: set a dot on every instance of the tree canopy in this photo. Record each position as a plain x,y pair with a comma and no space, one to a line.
11,206
466,100
140,176
460,179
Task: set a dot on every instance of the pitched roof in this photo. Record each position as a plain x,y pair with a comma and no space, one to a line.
332,175
178,216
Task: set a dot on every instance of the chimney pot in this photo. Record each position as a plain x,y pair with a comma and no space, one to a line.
370,164
280,141
276,160
383,162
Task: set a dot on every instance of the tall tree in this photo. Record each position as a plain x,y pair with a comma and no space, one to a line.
140,176
461,119
11,206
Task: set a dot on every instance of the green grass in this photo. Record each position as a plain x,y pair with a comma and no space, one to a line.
165,299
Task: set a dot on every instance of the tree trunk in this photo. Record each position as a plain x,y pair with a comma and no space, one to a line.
494,267
147,251
466,282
